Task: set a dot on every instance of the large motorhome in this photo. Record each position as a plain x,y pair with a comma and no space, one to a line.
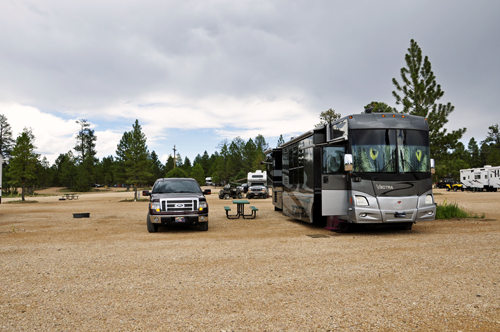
485,178
369,168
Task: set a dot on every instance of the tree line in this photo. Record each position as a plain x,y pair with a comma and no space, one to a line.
132,166
418,94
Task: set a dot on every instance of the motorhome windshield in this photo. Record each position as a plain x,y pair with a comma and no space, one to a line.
390,151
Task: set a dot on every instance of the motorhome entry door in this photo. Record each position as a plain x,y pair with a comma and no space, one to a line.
334,198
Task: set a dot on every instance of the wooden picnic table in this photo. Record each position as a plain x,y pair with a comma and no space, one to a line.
70,196
240,210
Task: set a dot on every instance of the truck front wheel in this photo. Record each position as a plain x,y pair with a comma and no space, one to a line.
204,226
152,228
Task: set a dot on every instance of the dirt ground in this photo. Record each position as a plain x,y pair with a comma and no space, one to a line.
106,272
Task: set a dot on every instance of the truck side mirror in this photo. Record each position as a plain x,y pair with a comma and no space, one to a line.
348,162
433,166
146,193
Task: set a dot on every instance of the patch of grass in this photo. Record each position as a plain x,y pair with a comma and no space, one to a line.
132,200
449,211
20,202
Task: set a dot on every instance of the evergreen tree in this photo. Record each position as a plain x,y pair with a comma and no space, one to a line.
473,150
379,107
205,162
419,96
121,155
490,147
222,168
169,165
107,168
6,140
198,174
187,167
176,173
281,141
328,116
136,158
85,148
23,160
250,157
156,166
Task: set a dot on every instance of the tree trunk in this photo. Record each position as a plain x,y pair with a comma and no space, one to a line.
22,192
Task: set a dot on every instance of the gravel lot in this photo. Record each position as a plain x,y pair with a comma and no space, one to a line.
107,272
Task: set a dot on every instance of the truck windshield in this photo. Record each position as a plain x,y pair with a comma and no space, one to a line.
176,186
390,151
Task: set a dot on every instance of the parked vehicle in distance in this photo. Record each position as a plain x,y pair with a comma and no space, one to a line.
177,201
485,178
243,188
257,184
443,183
257,190
208,181
230,192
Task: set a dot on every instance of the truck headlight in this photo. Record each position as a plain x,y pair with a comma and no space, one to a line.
429,200
155,206
361,201
203,204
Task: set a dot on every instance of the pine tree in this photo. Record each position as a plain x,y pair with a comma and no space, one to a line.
85,147
136,158
6,140
328,116
24,160
198,174
281,141
419,96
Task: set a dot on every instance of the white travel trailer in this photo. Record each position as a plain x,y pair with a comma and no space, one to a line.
480,179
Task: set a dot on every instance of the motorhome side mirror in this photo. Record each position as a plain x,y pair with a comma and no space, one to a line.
146,193
433,166
348,162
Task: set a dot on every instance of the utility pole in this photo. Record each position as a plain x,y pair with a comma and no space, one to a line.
175,156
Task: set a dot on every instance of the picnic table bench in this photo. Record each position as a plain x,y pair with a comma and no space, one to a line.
69,196
240,210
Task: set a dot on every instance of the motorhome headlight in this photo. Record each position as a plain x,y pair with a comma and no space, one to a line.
429,200
155,206
361,201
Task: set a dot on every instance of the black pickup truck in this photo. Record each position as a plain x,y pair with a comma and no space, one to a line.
177,201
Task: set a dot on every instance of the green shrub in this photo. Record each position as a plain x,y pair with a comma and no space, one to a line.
449,211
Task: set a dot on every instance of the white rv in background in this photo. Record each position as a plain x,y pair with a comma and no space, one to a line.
481,179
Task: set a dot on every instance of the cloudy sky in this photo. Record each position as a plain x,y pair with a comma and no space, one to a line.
197,72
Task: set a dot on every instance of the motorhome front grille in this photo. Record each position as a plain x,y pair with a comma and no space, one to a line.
179,205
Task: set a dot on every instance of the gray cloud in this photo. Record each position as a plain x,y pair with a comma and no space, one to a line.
85,58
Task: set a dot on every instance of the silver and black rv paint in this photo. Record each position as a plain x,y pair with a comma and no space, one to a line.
369,168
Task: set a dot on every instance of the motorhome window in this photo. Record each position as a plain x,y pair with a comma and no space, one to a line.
374,151
333,159
477,177
413,151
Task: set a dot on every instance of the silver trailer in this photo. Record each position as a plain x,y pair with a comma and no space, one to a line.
370,168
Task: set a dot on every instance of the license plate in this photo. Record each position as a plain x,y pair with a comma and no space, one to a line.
180,219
